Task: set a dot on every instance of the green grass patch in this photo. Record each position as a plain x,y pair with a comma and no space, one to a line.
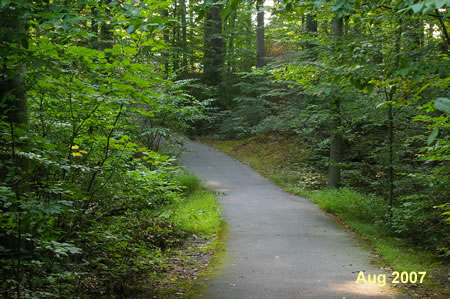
350,204
189,182
197,220
199,214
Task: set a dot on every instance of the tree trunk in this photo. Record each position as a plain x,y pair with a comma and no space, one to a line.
165,14
230,51
214,51
391,156
337,27
260,48
13,110
390,119
311,27
12,86
94,42
334,169
106,38
191,37
175,39
184,61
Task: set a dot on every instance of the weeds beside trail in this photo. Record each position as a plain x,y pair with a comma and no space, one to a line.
197,219
288,164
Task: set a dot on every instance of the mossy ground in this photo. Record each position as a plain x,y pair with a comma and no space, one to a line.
286,161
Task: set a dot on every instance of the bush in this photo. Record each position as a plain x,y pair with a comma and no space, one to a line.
421,222
350,204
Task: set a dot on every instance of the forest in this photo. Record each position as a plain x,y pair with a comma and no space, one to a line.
97,96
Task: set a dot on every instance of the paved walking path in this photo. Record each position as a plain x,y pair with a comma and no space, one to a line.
280,245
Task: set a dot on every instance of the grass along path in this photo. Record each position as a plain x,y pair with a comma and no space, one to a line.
198,217
284,160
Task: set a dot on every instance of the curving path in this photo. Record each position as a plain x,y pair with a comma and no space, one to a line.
280,245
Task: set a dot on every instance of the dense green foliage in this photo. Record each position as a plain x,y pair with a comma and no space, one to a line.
82,187
94,94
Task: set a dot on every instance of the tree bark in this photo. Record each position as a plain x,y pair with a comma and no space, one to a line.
191,37
214,47
12,85
13,110
165,14
230,51
391,156
311,23
391,128
311,28
175,39
260,51
106,38
184,61
334,169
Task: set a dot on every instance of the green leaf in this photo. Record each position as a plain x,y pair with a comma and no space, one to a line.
417,7
443,104
427,10
5,3
440,3
338,6
433,136
131,29
382,104
403,72
422,89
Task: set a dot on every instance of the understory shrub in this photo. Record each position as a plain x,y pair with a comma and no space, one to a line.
189,182
350,204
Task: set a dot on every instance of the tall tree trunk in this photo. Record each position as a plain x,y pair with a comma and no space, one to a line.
12,88
445,36
184,61
214,47
260,48
230,51
106,38
311,23
390,120
311,28
94,42
334,170
391,155
13,110
191,36
165,14
175,39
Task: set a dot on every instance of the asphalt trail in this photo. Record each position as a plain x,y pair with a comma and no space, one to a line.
280,245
